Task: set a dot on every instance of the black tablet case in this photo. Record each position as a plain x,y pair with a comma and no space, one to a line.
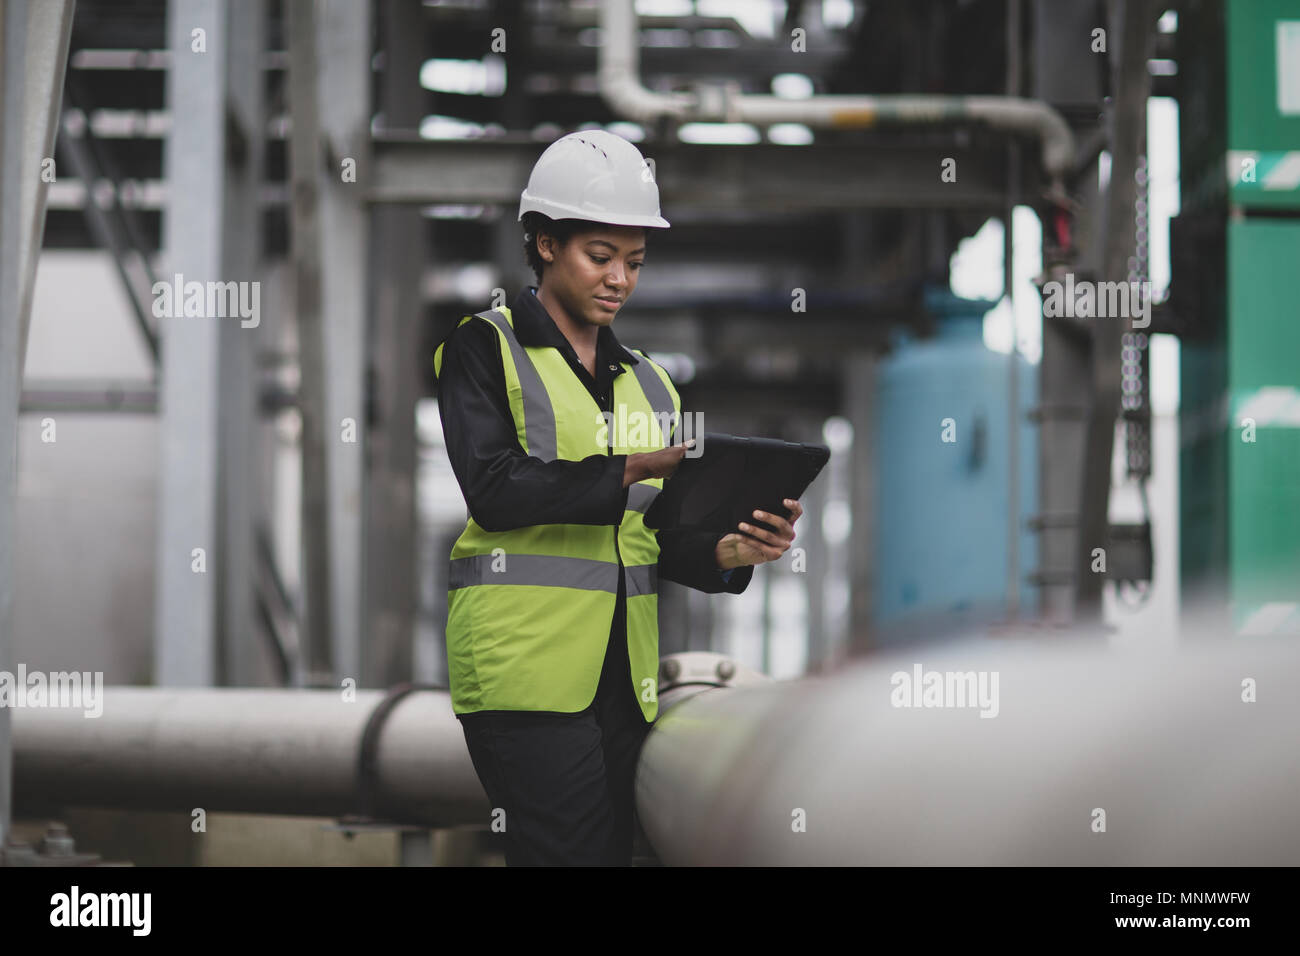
731,478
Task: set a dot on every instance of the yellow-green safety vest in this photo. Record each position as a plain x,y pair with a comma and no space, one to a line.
529,610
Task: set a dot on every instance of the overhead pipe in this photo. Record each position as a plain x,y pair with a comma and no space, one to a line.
1094,756
619,82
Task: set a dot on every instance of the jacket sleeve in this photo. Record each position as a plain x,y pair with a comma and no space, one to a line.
687,557
505,488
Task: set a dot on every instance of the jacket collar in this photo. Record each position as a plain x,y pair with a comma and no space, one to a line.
534,327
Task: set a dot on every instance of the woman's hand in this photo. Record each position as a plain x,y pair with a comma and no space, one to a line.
655,464
754,545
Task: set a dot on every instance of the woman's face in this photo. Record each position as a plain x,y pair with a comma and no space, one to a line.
594,273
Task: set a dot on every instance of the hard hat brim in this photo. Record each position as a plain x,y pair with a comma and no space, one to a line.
556,210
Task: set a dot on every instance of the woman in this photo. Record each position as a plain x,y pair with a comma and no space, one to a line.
552,630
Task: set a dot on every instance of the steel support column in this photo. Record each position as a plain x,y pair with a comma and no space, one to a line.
317,432
1066,75
344,42
398,255
33,61
240,497
1135,22
210,232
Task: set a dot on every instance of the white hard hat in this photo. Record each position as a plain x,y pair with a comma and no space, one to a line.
595,175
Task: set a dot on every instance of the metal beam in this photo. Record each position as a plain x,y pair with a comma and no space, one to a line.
874,172
186,594
205,612
1067,76
397,256
108,227
343,32
1132,27
81,396
317,431
33,61
37,53
240,503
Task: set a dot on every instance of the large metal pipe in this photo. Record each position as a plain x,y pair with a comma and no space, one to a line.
618,75
1186,771
275,751
294,752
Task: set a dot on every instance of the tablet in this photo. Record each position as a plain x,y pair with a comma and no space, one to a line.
731,479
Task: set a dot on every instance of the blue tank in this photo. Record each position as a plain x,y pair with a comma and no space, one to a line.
942,491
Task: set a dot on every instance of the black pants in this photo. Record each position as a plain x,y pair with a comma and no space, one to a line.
565,781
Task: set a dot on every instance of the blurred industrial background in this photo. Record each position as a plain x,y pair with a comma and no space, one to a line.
866,197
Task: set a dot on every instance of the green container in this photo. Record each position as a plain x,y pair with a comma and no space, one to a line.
1239,498
1263,66
1264,387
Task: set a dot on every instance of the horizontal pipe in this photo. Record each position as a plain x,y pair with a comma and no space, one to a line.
40,397
292,752
1014,114
273,751
619,80
1185,770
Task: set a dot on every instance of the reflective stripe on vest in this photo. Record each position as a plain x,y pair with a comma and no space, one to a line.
541,570
657,393
539,416
640,497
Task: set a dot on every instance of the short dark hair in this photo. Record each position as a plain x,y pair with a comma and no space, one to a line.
536,223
